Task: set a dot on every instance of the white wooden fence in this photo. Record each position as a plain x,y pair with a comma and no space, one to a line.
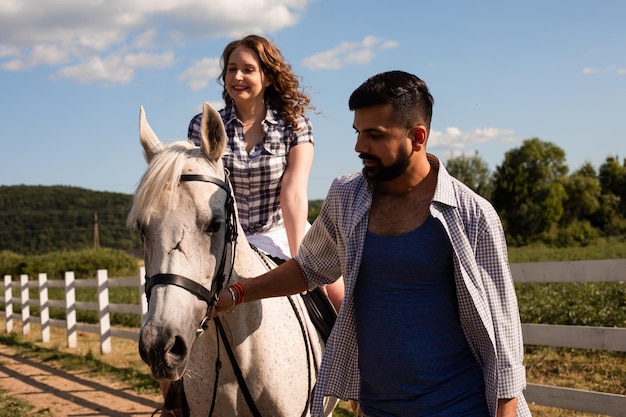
102,283
581,337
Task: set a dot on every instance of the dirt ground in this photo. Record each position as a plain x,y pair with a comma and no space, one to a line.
61,393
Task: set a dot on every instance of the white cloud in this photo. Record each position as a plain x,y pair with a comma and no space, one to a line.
609,69
454,138
347,53
8,51
113,69
43,54
201,73
146,39
100,35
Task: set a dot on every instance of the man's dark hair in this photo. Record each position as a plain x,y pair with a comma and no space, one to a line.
409,95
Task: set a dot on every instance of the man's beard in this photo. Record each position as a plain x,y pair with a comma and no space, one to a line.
386,173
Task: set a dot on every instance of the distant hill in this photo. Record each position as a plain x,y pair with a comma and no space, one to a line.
42,219
37,219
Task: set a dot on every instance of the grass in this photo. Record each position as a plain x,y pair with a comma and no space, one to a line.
112,366
15,407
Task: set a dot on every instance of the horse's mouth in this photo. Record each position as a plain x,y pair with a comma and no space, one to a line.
162,372
166,357
163,368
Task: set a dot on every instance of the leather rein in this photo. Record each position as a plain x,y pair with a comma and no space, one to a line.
211,297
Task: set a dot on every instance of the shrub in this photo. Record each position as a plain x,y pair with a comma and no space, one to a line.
84,263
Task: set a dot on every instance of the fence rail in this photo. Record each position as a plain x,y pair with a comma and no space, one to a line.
580,337
103,306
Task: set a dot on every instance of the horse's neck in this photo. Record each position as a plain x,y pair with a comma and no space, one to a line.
249,263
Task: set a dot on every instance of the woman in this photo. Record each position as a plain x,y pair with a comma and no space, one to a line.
270,147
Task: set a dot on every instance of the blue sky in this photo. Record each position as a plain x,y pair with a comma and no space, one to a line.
73,74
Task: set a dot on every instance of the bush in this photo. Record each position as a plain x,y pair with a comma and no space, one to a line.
577,233
600,304
12,263
85,263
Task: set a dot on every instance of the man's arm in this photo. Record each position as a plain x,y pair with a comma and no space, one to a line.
286,279
506,407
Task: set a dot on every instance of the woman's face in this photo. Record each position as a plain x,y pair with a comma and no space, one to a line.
245,81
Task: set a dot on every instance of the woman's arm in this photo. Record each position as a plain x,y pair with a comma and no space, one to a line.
294,201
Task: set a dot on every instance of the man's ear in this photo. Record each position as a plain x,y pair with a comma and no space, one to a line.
419,135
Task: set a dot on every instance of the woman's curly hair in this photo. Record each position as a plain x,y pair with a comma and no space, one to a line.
284,93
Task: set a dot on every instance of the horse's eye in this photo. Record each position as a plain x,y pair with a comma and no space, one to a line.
214,227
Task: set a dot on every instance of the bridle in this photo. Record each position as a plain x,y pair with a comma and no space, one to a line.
228,256
222,276
219,280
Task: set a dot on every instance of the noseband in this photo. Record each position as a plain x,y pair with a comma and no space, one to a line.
228,258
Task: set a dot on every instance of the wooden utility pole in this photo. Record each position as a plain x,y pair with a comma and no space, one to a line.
96,236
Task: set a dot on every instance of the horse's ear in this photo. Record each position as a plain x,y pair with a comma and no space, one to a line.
149,140
212,133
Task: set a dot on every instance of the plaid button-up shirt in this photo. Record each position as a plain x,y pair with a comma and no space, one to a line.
486,296
256,177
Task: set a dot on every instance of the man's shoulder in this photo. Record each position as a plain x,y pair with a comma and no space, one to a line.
351,181
349,189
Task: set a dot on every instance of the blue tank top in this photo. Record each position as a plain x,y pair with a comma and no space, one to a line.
413,356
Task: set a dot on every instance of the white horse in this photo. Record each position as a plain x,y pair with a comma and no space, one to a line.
194,246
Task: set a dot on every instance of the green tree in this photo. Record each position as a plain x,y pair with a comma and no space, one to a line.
583,195
315,206
40,219
473,171
613,180
611,217
529,191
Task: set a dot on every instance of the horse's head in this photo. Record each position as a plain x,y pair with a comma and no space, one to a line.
185,213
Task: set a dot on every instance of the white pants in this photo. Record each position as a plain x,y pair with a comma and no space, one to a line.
274,242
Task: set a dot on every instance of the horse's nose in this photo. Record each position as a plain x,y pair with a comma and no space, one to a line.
177,352
163,352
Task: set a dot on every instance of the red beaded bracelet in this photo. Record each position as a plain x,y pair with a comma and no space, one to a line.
238,288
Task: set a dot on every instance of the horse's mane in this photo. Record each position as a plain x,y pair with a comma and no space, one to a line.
161,178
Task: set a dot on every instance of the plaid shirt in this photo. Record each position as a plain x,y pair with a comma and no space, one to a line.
486,296
256,178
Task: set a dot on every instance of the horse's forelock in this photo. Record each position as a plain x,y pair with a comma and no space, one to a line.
161,178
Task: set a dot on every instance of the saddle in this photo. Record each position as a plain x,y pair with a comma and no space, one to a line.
321,310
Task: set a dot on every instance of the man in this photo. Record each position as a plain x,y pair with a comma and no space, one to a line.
429,324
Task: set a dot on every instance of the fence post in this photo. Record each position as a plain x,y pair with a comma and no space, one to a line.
70,309
8,301
103,311
25,304
44,307
143,300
